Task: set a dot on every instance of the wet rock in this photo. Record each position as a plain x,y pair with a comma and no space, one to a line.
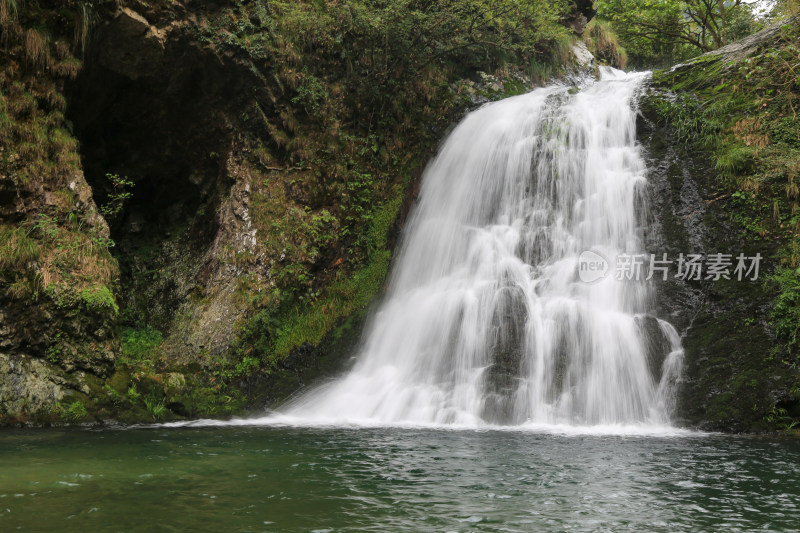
501,379
729,379
27,386
583,57
582,12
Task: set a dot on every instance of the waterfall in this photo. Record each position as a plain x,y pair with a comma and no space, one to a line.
486,318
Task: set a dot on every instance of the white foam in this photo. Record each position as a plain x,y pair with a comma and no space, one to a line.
278,420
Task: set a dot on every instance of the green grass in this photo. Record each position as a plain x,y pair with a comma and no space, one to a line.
341,299
155,406
17,247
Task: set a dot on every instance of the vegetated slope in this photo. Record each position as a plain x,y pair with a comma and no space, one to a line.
200,199
723,140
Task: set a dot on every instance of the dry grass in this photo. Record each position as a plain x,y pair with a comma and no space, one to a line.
62,49
67,68
83,22
71,259
748,130
37,48
17,248
9,11
792,190
290,55
751,184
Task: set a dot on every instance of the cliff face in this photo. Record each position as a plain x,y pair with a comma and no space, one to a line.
722,164
200,199
58,312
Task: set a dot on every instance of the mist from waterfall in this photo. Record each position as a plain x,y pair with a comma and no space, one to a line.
486,320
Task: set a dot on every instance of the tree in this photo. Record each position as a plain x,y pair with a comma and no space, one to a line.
654,26
780,9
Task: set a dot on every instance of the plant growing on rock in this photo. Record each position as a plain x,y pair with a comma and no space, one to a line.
118,196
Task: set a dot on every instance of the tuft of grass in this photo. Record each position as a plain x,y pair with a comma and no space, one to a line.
37,48
155,406
9,12
604,44
17,248
84,18
561,50
733,161
73,412
539,71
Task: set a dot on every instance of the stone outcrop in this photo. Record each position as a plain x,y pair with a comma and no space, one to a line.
230,181
735,376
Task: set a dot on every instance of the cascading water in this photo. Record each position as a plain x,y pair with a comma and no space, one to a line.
486,319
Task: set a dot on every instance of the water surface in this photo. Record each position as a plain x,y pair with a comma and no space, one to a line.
252,478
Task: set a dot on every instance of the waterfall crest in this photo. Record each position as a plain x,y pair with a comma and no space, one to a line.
486,320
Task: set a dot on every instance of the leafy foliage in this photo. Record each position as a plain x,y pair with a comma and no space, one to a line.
743,115
663,32
399,46
74,412
120,194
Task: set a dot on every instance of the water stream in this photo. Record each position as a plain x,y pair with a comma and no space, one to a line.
565,382
487,320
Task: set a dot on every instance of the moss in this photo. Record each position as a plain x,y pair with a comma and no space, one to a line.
341,299
99,299
345,296
140,344
737,117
